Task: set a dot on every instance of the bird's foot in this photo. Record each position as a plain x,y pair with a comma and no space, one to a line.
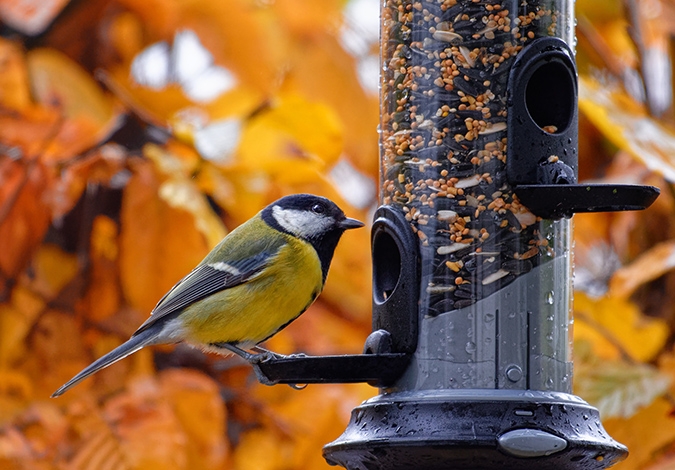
260,355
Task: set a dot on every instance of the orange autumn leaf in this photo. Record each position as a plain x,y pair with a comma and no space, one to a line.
14,89
645,433
159,244
57,350
149,433
309,419
58,81
197,403
100,166
25,17
88,114
103,296
649,266
17,318
261,449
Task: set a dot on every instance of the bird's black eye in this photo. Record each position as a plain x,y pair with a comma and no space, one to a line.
318,209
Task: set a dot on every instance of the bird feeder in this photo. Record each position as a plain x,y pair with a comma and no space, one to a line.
472,250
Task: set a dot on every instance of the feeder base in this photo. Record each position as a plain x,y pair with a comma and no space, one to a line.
475,429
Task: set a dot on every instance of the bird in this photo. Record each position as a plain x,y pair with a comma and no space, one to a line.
258,279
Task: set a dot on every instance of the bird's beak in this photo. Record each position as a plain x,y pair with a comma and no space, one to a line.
348,223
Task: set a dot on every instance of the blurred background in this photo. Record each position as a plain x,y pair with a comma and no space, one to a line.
134,135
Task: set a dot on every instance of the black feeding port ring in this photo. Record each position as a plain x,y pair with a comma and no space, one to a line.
396,284
550,96
386,265
542,117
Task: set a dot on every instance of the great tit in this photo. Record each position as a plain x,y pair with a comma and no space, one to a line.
257,280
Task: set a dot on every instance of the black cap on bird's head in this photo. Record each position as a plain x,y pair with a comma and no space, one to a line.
315,219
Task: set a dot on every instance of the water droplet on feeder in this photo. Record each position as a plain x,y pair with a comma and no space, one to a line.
549,297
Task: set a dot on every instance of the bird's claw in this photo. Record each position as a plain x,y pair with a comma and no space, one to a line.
264,357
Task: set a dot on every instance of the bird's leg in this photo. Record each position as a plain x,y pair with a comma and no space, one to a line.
261,355
255,359
268,353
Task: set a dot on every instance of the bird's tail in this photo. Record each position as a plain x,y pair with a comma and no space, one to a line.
134,344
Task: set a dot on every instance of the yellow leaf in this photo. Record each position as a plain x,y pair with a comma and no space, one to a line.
181,192
293,139
612,322
54,269
159,244
325,73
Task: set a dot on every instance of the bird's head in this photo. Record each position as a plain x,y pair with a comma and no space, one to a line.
309,217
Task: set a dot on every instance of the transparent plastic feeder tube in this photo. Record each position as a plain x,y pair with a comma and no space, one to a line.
495,292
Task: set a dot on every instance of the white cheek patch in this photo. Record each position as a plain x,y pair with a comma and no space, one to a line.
303,224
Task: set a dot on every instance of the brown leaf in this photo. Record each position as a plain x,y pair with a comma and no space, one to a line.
23,217
57,351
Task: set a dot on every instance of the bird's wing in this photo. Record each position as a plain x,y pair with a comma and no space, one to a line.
207,279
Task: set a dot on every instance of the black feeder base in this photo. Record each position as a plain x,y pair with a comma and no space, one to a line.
474,429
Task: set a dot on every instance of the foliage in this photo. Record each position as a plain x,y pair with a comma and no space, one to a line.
134,134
